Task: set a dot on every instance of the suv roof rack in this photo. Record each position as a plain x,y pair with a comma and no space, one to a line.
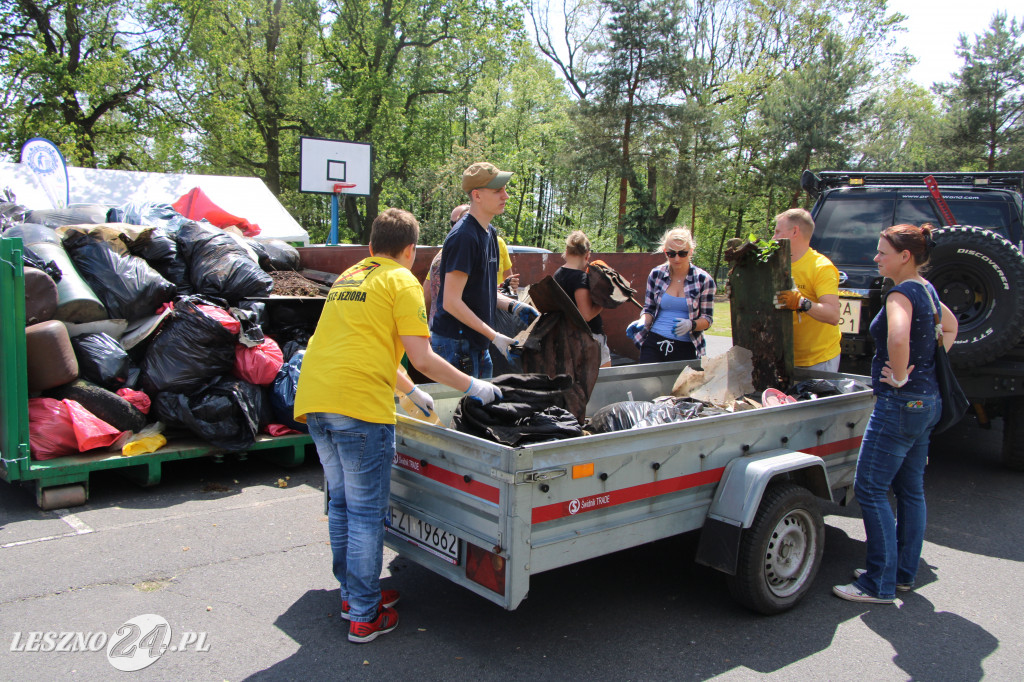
814,184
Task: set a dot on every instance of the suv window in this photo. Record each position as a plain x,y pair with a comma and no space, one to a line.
852,224
916,209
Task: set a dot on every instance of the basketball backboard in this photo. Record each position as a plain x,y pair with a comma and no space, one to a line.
325,163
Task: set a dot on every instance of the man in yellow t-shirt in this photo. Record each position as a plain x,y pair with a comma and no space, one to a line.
346,394
816,334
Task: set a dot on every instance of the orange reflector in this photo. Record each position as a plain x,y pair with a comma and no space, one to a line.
856,181
485,568
583,470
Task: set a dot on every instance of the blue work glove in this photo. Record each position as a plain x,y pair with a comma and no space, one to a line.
484,391
526,313
507,347
421,399
683,327
635,328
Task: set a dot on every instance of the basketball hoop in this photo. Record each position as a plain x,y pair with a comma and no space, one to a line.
340,187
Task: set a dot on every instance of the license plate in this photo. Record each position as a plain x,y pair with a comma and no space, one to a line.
849,315
422,534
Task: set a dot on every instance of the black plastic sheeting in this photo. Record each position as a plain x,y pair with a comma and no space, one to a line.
531,410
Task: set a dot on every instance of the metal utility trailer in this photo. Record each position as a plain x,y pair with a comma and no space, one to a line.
64,481
489,517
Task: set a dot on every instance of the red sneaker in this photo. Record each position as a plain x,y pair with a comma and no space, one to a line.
388,598
387,620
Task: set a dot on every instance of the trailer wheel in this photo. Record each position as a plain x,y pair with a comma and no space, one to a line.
780,553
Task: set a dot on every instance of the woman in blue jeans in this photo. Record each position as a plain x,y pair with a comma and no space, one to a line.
894,451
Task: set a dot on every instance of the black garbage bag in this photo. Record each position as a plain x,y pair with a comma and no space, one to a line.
224,412
159,249
813,388
126,285
190,348
282,394
102,360
251,334
280,255
633,414
219,266
29,257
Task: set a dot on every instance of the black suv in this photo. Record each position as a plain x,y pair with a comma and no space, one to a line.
977,267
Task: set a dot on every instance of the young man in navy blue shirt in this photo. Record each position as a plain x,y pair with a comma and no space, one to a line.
462,331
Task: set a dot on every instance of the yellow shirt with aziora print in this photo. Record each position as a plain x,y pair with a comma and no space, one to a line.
814,341
350,363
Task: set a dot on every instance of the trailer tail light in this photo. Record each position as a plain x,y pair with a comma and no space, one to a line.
485,568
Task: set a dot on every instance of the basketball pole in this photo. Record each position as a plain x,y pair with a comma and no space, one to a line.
332,239
339,188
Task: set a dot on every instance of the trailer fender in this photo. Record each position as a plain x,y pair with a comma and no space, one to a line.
738,497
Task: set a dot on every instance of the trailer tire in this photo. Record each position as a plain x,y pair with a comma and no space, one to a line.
780,553
1013,434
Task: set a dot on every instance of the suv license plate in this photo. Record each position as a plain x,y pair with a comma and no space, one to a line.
420,533
849,316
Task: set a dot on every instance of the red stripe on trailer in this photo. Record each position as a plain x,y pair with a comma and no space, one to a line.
832,448
449,478
611,498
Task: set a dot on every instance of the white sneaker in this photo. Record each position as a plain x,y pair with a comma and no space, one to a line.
853,593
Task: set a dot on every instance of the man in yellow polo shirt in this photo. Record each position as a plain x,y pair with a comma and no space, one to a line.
816,334
346,394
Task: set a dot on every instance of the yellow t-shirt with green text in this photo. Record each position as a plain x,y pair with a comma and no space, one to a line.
350,363
813,341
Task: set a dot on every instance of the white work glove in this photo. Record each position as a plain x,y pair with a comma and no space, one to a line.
635,328
421,399
506,346
484,391
526,313
683,327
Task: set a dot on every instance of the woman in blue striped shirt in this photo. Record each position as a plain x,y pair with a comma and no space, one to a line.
679,304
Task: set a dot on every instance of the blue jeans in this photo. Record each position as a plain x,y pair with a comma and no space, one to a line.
457,352
893,454
357,457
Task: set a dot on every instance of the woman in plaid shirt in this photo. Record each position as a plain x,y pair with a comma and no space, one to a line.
679,305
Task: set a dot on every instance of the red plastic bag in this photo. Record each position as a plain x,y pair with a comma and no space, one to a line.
224,317
64,427
195,205
260,364
279,430
139,399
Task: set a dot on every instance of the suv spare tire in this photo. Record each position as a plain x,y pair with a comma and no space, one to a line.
979,275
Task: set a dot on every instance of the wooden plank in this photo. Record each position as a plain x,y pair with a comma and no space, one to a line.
756,324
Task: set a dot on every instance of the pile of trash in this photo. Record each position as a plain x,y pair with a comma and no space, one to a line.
141,317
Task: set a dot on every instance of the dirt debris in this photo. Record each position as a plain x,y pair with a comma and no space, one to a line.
287,283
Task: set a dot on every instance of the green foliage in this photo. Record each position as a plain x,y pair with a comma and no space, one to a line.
638,116
986,99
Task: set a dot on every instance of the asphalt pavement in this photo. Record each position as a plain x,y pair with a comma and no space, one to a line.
230,564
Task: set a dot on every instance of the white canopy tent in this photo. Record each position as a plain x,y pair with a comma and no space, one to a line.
248,198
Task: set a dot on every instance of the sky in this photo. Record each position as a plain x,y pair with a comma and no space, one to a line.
932,30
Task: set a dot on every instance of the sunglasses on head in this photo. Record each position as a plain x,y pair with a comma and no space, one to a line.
672,254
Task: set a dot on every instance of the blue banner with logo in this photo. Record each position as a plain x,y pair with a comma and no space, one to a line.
47,163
